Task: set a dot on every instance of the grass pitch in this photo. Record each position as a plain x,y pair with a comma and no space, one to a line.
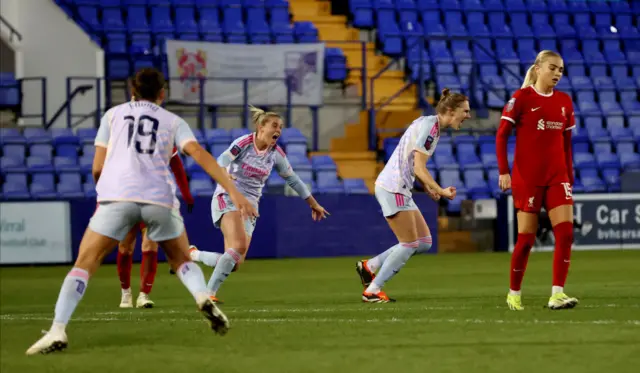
306,316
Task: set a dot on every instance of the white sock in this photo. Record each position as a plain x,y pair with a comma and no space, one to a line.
514,292
373,288
223,269
209,258
125,291
192,277
557,289
375,263
71,292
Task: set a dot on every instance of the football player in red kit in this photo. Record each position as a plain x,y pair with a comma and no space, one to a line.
542,173
149,263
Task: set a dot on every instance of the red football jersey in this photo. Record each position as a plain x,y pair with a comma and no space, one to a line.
540,121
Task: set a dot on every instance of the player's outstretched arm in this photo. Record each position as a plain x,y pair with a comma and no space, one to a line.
283,167
205,160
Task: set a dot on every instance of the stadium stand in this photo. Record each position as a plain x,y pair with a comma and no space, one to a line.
600,43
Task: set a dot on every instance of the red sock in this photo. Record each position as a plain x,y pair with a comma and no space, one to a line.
124,262
562,254
519,259
148,270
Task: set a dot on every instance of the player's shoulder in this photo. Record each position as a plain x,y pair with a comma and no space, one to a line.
244,140
523,92
278,150
563,96
430,124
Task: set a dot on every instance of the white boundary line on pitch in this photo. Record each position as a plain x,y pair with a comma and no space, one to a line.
349,321
364,309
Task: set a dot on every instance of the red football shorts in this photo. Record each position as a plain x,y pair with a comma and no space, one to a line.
531,198
140,226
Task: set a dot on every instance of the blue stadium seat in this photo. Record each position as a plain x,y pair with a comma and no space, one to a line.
302,166
43,186
475,183
11,136
88,150
294,141
257,27
65,164
355,186
467,157
16,151
362,13
70,186
217,149
217,136
238,132
275,180
9,91
305,32
185,21
15,187
630,161
202,187
209,25
584,160
11,164
611,177
335,65
89,189
37,136
37,164
86,135
85,163
41,150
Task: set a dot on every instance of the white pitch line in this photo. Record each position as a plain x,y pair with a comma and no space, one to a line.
362,309
313,320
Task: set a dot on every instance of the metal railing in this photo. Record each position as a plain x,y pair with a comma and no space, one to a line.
423,78
13,33
43,87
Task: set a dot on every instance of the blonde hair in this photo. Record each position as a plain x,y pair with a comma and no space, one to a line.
449,101
259,116
531,77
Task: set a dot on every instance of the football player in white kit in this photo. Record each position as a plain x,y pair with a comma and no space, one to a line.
134,146
393,192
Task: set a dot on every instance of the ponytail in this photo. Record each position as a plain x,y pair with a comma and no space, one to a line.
258,116
530,78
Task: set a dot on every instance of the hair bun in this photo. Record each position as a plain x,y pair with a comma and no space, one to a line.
446,92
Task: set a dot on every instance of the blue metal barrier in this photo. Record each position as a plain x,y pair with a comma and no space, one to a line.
285,228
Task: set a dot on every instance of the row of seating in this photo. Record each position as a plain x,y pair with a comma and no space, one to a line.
68,185
180,3
511,6
59,136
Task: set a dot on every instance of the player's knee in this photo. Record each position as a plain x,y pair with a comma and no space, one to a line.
424,244
563,233
148,245
126,248
527,239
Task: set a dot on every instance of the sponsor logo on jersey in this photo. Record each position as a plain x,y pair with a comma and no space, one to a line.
549,125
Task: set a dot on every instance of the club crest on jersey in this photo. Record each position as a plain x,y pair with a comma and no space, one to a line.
564,113
235,150
510,104
427,144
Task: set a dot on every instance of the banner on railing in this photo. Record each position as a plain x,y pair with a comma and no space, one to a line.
270,67
35,232
602,222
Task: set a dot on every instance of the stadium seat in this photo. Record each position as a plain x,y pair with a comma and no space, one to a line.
43,186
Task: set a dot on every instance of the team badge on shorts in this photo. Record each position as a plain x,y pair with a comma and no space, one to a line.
510,104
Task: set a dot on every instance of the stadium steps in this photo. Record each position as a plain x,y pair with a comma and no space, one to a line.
355,165
335,28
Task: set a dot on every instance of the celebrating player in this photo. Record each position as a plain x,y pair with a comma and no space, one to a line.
393,192
149,263
249,161
542,171
135,142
